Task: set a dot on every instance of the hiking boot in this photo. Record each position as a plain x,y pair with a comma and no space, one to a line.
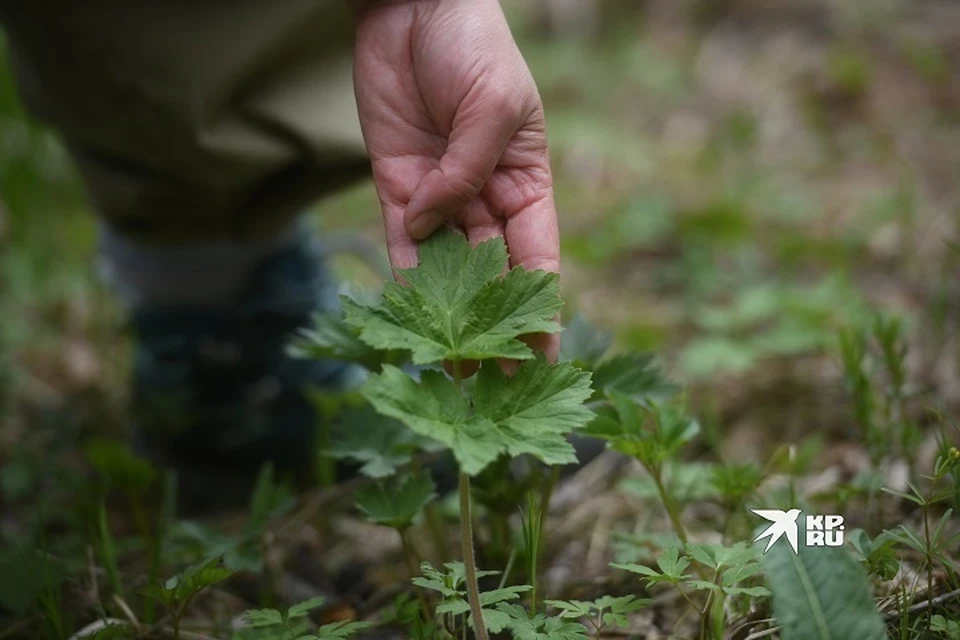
215,393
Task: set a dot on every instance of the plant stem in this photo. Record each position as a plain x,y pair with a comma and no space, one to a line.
668,505
466,538
469,559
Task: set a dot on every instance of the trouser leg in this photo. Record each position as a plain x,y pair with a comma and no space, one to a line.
194,122
201,130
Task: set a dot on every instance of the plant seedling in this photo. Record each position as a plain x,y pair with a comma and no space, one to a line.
602,612
177,592
290,622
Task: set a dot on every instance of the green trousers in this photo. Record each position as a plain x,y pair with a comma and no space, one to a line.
194,121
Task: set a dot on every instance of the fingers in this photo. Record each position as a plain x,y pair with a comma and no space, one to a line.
532,232
401,248
480,134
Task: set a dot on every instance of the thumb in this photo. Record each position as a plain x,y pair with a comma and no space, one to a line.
474,149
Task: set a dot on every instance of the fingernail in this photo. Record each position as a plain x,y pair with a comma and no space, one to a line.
425,224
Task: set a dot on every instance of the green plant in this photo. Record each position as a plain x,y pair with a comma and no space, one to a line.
877,555
524,626
602,612
821,594
290,624
726,570
935,541
947,628
460,305
242,550
454,586
651,432
395,506
179,591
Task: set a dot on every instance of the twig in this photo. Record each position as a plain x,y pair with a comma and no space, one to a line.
923,605
762,634
127,611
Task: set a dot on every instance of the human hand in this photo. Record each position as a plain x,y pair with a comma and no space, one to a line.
455,130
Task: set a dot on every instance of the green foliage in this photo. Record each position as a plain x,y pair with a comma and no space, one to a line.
530,413
119,466
523,626
397,503
633,374
730,566
947,628
821,593
673,568
451,585
26,573
381,445
290,623
602,612
936,545
767,320
242,551
332,338
877,555
735,482
457,305
180,588
650,432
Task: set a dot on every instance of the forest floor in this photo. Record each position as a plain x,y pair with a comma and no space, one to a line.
746,191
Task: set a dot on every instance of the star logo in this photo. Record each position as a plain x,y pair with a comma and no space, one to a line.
784,524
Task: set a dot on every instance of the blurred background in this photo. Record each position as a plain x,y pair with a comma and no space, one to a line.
738,181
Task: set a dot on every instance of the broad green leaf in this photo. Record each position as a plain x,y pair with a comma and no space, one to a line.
379,443
396,504
263,617
538,398
435,409
530,413
332,338
120,466
583,343
821,593
634,374
456,304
